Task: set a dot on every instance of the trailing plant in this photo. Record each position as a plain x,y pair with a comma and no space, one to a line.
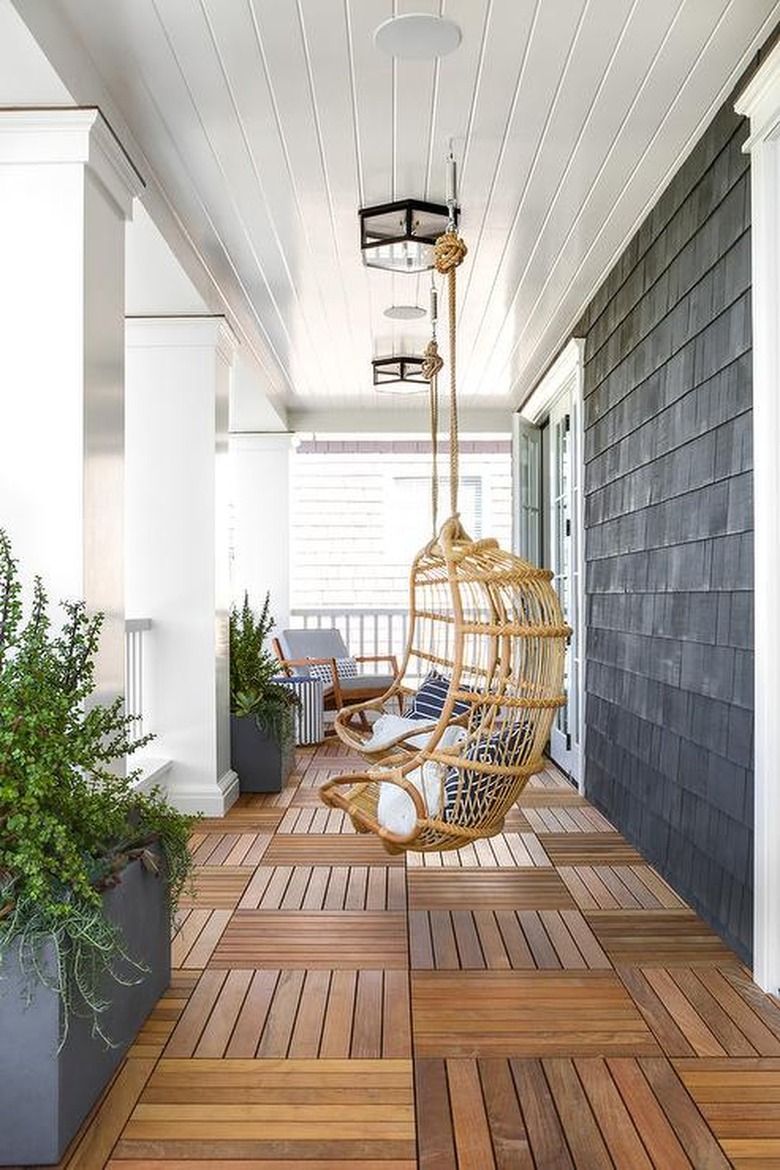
253,668
69,825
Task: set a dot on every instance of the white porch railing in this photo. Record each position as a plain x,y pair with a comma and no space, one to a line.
136,630
365,631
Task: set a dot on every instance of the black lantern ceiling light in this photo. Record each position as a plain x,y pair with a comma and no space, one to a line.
399,237
404,375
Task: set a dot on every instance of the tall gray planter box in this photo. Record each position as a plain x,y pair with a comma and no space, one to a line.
261,763
45,1095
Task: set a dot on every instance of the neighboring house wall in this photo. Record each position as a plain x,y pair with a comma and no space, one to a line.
668,545
361,510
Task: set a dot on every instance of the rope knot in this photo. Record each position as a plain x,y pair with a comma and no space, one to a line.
432,362
449,251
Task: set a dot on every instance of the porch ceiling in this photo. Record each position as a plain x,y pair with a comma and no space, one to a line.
262,127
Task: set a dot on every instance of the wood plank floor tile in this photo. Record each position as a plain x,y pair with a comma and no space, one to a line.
272,799
511,1147
685,1119
647,1114
563,819
534,889
583,1134
335,849
515,822
546,1136
487,939
653,938
607,848
740,1100
349,938
614,1121
525,1013
315,819
473,1144
199,933
436,1141
509,850
245,819
258,1164
111,1116
598,887
322,887
294,1111
550,999
217,887
550,778
567,797
766,1007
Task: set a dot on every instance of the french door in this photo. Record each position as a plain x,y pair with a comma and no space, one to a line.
561,496
548,524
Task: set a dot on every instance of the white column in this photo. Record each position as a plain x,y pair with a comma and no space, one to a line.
260,497
178,373
66,190
760,101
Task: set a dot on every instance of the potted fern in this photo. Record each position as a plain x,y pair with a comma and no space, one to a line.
261,708
90,872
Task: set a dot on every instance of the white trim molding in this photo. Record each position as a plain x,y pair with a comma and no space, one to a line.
760,102
566,366
72,136
261,440
185,331
213,801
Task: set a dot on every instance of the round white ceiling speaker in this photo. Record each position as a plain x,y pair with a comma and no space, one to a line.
405,312
417,36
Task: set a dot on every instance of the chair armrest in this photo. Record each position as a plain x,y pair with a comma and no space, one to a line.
391,658
331,662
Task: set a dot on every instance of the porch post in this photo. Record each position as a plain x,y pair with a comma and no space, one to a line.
178,373
260,486
760,101
66,190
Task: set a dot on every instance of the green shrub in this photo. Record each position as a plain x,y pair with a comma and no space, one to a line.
252,671
68,824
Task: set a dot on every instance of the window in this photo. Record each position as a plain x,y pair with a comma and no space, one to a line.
409,512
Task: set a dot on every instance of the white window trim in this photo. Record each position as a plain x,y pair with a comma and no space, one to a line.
760,102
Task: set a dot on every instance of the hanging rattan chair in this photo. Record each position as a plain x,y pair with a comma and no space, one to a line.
488,626
488,638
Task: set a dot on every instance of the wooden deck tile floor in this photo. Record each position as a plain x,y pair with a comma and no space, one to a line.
540,1001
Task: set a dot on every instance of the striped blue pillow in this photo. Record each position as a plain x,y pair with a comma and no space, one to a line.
345,668
429,701
502,747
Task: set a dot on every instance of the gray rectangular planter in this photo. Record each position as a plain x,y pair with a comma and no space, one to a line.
44,1096
262,764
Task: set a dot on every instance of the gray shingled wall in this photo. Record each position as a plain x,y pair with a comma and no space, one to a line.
668,546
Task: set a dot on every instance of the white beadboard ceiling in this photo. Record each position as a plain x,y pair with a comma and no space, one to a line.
262,125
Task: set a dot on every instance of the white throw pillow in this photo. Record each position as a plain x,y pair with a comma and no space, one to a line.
389,727
395,808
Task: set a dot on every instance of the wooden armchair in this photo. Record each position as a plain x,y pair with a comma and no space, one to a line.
323,654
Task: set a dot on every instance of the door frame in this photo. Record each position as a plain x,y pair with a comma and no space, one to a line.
760,102
565,375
